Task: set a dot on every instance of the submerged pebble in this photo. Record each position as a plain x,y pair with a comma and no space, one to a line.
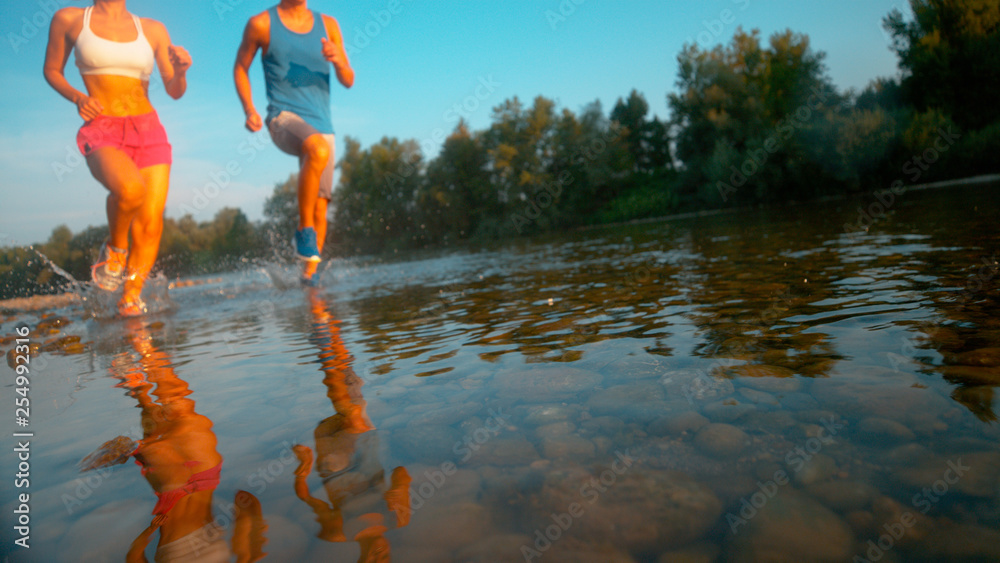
641,510
674,425
791,528
882,431
721,440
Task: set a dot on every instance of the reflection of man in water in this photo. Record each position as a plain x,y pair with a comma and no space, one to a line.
179,459
347,455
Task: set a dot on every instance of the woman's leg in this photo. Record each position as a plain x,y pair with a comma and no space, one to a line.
147,227
122,178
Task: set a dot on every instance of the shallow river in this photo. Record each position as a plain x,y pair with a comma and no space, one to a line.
757,386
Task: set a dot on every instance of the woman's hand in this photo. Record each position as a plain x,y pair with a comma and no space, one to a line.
89,108
179,58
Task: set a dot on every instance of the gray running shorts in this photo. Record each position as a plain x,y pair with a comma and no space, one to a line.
288,131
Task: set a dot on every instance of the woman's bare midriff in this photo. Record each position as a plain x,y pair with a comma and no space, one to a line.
120,95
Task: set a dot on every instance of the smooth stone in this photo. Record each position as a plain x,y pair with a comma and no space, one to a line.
470,425
862,522
844,496
673,425
567,446
458,485
815,416
960,542
983,478
453,526
449,415
644,413
888,510
728,410
620,398
505,548
816,469
697,553
798,401
883,430
603,444
695,385
555,429
545,384
504,450
758,397
631,368
974,474
899,401
428,444
776,422
721,440
538,415
606,425
791,528
641,511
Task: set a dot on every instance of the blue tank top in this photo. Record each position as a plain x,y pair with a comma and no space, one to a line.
297,75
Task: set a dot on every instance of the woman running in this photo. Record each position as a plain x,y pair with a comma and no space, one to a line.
125,146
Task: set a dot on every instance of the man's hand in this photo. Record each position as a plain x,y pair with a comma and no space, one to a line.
254,123
333,53
179,58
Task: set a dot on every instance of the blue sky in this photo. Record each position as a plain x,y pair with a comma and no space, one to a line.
420,65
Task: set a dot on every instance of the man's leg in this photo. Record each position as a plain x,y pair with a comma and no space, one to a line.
322,205
316,152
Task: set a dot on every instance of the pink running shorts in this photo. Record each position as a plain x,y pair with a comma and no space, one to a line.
141,137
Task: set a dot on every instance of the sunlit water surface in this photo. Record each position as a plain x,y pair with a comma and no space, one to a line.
753,386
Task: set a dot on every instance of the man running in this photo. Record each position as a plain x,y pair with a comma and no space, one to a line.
298,46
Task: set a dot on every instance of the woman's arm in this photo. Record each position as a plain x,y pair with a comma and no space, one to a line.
61,39
172,60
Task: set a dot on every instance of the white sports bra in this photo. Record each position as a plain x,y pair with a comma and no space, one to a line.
96,55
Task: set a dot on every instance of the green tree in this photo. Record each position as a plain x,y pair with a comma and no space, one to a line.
457,195
950,57
753,123
521,149
376,200
281,208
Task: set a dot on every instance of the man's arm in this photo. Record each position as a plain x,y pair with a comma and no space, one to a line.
255,37
333,50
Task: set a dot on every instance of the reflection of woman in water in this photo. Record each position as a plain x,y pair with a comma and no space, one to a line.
347,455
179,459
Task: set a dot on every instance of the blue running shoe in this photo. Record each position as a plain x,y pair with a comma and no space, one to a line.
305,245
